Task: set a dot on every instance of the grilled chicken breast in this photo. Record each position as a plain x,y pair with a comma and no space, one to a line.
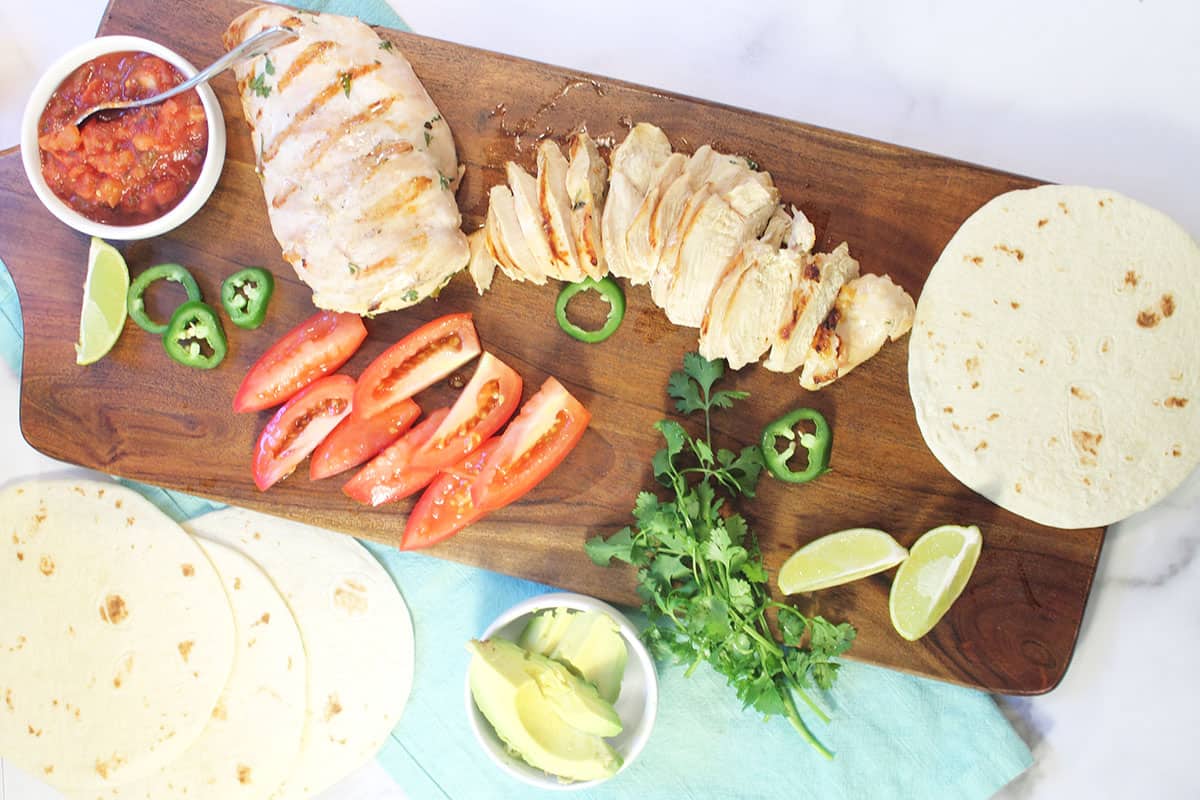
555,207
357,164
870,310
632,166
587,184
810,304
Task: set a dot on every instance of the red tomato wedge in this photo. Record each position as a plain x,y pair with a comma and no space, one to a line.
299,426
486,403
416,362
549,426
315,347
446,506
391,475
358,438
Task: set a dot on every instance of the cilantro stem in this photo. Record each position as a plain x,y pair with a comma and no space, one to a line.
793,715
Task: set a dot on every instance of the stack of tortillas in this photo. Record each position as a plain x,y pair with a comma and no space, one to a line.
1054,361
246,657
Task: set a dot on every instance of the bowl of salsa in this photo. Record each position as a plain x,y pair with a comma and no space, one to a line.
129,174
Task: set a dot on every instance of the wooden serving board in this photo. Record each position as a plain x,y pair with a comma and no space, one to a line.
137,414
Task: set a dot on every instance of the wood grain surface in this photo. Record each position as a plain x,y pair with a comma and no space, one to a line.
139,415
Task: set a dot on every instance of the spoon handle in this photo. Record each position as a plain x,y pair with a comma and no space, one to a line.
256,45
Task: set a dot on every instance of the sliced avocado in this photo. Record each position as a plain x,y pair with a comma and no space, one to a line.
592,646
575,700
545,630
507,694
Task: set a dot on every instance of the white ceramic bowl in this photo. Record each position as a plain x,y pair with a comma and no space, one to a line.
192,201
637,704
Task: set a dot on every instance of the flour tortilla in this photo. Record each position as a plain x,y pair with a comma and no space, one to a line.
116,637
356,631
1053,360
252,739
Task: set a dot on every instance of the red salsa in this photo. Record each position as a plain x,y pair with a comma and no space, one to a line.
126,167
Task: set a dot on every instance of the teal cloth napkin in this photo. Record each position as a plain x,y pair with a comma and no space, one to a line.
896,736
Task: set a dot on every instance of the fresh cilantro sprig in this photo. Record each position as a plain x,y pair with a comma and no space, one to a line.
700,573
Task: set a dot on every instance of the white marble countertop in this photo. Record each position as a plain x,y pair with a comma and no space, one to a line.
1103,93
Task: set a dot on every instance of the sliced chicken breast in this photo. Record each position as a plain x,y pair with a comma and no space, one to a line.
642,247
506,240
720,228
810,304
555,207
357,164
587,184
778,228
529,217
633,164
750,303
802,237
870,311
482,265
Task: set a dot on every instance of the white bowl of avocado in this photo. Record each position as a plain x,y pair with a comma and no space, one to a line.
560,691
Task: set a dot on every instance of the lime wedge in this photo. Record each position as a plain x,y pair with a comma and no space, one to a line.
103,315
839,558
927,584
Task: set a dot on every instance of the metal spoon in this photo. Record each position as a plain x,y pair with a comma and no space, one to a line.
256,45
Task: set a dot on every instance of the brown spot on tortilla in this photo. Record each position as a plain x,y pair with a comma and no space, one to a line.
289,663
981,446
114,610
103,768
48,769
219,711
1087,481
1168,305
79,491
257,535
1087,443
119,502
948,409
8,700
1106,345
956,426
1175,402
966,314
188,570
39,518
117,681
972,364
1017,488
1131,279
46,565
1063,207
976,260
1012,251
350,597
20,556
1176,451
1080,393
1053,440
974,384
332,707
34,731
129,522
237,583
243,773
1147,319
1015,305
264,619
1042,223
992,417
185,649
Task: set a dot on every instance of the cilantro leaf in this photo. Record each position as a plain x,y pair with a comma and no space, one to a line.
618,546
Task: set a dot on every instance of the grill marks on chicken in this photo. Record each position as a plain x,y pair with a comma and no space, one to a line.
358,167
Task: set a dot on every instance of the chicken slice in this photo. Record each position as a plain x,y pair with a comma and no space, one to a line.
719,229
633,164
482,265
506,239
778,227
587,182
642,247
870,311
803,236
555,207
750,303
810,304
529,216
